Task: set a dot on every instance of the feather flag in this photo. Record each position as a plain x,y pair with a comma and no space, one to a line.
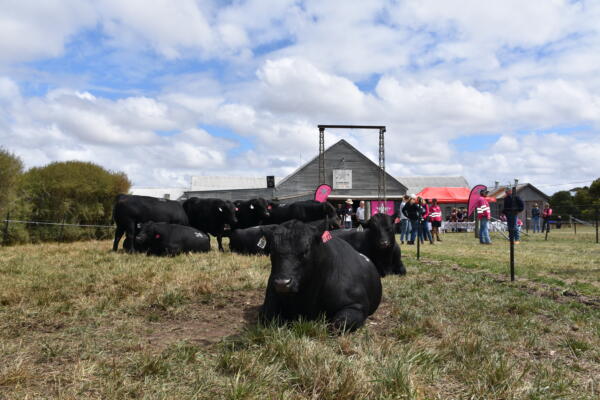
474,197
322,193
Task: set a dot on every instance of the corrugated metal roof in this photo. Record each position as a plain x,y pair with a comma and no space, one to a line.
161,193
201,183
417,183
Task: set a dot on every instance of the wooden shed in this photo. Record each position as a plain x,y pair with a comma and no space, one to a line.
349,172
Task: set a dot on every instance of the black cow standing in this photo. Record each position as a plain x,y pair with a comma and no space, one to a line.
378,242
214,216
130,210
305,211
314,274
250,213
160,238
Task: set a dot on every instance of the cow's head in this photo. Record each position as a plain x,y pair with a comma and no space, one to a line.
225,212
147,234
330,213
292,246
381,230
259,208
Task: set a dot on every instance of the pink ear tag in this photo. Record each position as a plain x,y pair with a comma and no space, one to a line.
397,220
269,207
237,209
157,236
326,237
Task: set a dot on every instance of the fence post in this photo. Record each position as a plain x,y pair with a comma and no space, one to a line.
419,230
62,228
574,224
596,224
5,238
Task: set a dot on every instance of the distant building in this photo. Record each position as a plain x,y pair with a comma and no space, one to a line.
349,172
526,191
415,184
162,193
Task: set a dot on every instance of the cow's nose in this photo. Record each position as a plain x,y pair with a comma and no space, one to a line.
267,214
283,285
385,243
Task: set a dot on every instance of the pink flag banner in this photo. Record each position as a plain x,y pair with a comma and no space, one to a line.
384,207
322,193
474,197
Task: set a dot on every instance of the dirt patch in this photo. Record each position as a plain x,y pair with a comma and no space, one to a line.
207,323
535,288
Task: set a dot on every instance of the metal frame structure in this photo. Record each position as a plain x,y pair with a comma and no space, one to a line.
382,190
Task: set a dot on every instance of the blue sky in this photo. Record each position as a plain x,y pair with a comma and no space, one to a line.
164,91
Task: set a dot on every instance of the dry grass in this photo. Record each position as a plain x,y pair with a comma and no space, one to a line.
77,321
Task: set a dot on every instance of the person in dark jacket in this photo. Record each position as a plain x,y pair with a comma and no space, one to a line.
535,218
412,210
513,205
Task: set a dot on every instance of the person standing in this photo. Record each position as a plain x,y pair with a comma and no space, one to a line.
513,205
435,214
483,215
425,232
535,218
404,222
546,214
347,214
412,211
360,213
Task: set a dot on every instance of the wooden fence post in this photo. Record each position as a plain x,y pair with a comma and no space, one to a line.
5,238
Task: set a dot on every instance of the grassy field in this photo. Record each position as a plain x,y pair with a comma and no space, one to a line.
77,321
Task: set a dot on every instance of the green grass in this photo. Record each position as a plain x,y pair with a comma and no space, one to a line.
566,260
78,321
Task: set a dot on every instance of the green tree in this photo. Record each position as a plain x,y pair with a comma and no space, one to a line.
11,168
563,204
74,192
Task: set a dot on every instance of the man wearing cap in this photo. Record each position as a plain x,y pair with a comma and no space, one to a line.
483,214
347,214
513,205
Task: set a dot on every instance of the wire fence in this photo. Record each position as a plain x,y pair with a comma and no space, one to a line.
23,231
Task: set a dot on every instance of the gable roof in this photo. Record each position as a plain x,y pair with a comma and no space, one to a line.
341,142
417,183
499,191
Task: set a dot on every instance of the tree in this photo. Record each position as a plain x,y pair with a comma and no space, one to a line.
74,192
563,204
11,168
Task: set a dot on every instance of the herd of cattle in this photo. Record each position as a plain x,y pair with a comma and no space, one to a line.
316,268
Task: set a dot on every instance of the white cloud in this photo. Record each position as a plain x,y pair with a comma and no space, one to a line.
435,72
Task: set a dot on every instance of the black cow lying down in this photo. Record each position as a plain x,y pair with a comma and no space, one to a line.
314,274
254,240
162,239
378,242
250,240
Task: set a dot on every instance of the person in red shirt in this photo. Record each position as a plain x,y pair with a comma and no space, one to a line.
483,214
435,214
546,214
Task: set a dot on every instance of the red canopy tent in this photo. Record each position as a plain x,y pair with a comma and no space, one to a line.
448,194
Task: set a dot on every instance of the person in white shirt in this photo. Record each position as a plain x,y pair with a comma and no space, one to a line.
348,211
360,213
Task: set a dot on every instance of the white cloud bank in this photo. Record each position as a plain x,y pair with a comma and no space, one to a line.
438,71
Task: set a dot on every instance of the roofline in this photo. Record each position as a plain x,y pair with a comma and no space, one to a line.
326,150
